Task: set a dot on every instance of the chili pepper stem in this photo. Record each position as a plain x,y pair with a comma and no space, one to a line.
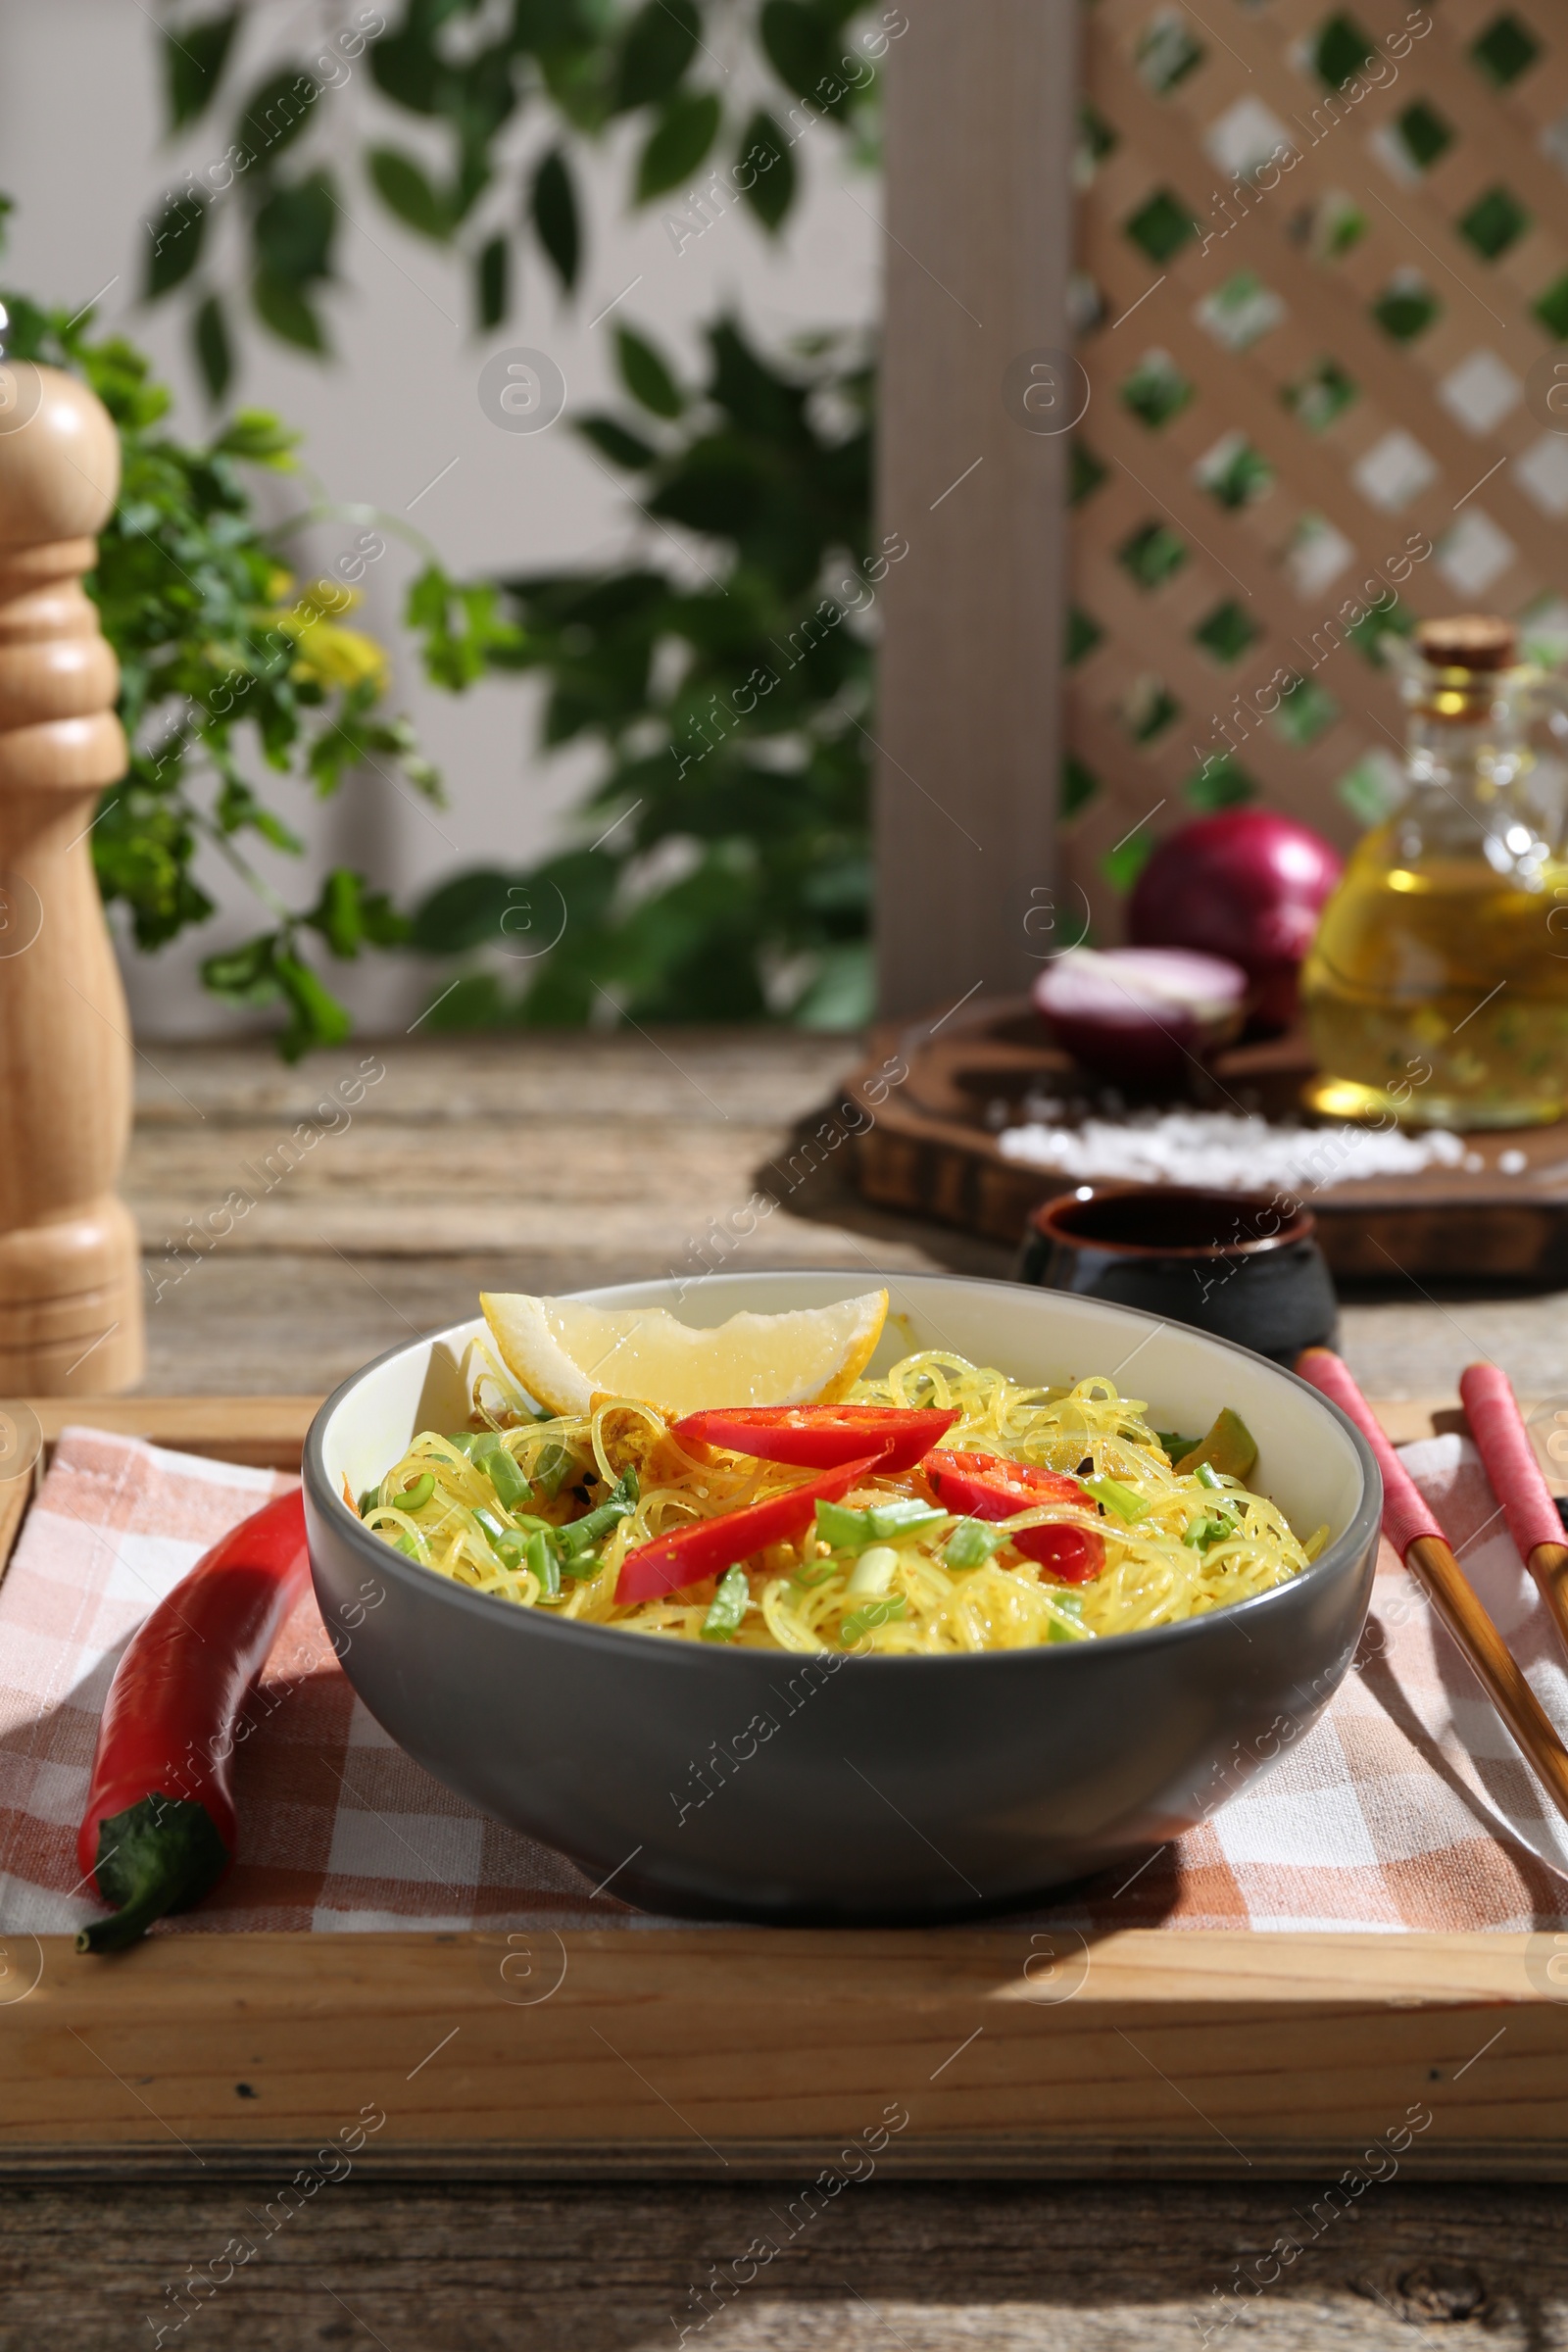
160,1855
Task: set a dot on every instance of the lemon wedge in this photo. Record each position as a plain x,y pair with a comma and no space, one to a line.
566,1353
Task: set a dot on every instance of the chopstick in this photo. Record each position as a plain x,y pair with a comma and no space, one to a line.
1499,1430
1412,1529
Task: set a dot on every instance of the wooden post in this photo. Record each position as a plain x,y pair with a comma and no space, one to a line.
974,402
70,1315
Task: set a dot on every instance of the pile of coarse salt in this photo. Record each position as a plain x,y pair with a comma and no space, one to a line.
1223,1150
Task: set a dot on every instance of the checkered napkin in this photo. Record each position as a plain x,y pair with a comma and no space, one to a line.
1405,1807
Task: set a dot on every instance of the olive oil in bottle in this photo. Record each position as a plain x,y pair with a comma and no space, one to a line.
1437,987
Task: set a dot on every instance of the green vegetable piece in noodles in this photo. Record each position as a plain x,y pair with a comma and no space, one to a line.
867,1620
902,1515
501,1469
415,1498
1117,1498
619,1503
971,1544
729,1607
1173,1444
550,1471
540,1558
845,1530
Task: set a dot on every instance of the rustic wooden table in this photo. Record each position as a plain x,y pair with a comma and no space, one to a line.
548,1163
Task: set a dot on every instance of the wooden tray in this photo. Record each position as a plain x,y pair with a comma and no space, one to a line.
727,2052
931,1148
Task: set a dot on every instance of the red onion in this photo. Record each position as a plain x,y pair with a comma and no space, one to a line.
1246,884
1140,1016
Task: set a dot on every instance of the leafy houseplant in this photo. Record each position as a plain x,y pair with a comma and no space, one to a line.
724,867
213,635
727,872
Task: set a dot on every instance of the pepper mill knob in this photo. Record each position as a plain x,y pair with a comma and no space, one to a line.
71,1308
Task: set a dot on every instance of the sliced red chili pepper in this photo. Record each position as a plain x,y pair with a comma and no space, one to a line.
820,1436
160,1829
708,1547
1074,1553
984,1486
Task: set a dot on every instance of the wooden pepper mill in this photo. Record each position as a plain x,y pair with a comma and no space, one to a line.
71,1308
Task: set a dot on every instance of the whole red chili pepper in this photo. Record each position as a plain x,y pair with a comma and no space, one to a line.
160,1829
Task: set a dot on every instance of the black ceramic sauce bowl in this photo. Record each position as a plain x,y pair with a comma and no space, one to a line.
754,1785
1246,1267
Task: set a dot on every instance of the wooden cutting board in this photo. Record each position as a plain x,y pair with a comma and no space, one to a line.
931,1148
983,2052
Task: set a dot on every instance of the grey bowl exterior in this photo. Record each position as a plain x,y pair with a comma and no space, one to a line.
751,1784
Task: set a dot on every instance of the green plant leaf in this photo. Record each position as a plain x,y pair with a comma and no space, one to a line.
349,915
176,236
766,166
214,356
295,228
552,204
193,65
645,374
260,439
285,309
492,275
461,914
316,1017
405,190
803,49
619,446
244,976
658,46
676,146
277,111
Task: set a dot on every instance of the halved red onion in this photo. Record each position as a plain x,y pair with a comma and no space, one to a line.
1140,1016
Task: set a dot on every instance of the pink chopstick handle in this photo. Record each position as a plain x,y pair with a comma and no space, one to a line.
1510,1458
1406,1513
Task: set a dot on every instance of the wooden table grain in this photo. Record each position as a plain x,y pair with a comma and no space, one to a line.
293,1224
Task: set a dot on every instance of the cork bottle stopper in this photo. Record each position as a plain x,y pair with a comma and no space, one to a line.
1468,641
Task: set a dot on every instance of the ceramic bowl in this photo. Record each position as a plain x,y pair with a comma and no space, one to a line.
1244,1267
754,1785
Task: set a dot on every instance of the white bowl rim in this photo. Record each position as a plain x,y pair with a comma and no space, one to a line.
1361,1527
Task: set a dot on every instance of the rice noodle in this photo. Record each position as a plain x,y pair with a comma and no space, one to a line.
799,1595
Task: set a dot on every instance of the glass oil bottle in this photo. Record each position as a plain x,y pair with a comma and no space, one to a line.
1437,987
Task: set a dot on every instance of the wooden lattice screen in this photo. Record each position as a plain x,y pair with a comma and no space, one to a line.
1354,360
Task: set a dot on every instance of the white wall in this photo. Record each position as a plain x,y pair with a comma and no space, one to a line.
81,153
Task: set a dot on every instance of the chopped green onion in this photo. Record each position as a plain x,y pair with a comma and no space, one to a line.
808,1580
1207,1531
865,1620
729,1605
466,1440
1117,1498
501,1469
507,1542
873,1571
415,1498
1206,1478
845,1530
619,1503
542,1561
1174,1444
404,1543
971,1544
1071,1606
903,1515
549,1470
